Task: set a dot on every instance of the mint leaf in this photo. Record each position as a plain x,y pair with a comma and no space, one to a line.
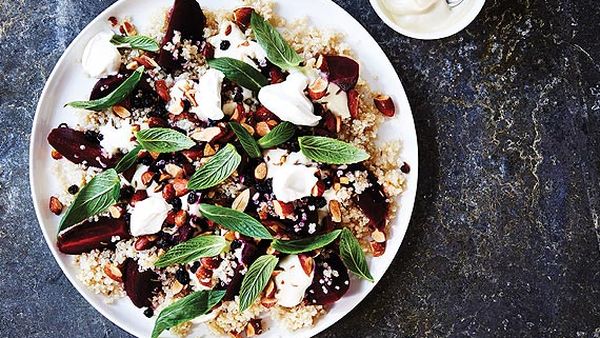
128,160
140,42
191,250
235,220
331,151
353,255
97,196
247,141
279,52
256,279
306,244
115,96
216,170
240,73
163,140
193,305
280,134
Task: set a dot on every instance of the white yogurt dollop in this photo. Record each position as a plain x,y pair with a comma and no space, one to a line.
292,282
100,57
293,174
422,15
148,216
288,101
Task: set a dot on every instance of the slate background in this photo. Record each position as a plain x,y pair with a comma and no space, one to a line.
504,240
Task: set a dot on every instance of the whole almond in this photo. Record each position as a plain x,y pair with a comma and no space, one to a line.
121,111
113,272
56,207
335,211
262,128
260,172
385,105
144,242
168,192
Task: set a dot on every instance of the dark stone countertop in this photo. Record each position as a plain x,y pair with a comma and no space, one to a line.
504,240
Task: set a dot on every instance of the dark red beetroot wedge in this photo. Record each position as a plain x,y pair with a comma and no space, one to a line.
77,148
188,19
92,235
106,85
373,204
139,286
331,271
341,70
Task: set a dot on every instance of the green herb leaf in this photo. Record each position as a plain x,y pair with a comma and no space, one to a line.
115,96
235,220
163,140
191,250
353,255
256,280
331,151
194,305
136,42
247,141
216,169
240,73
280,134
95,197
128,160
306,244
279,52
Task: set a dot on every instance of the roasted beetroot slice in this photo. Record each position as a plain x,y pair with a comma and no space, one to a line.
92,235
139,286
373,204
341,70
77,148
331,271
106,85
188,19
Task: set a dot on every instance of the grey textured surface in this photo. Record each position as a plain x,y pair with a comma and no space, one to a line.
504,240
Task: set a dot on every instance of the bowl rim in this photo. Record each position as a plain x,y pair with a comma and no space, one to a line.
440,34
408,196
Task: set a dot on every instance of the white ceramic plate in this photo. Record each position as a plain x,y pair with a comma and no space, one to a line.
68,82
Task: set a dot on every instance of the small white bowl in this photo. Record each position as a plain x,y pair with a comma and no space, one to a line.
471,9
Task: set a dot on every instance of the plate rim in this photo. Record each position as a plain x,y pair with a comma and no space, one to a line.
408,196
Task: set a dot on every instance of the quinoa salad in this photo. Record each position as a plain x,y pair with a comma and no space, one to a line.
224,170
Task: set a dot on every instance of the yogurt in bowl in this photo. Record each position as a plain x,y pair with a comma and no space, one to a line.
427,19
